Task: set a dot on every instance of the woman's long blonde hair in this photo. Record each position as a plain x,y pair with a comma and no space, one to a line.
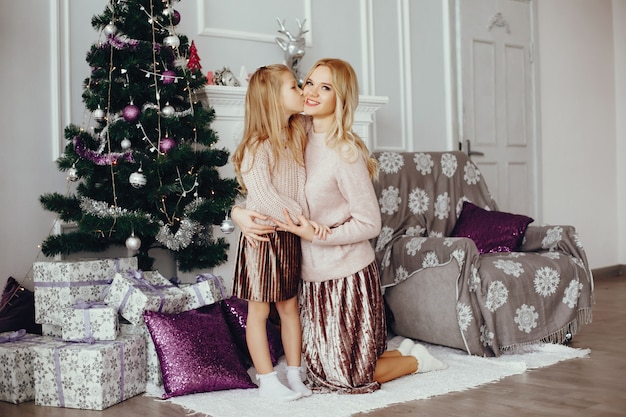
346,87
264,115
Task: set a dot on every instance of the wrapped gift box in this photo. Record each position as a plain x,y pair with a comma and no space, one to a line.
89,376
60,284
208,289
133,292
89,322
153,366
51,330
16,366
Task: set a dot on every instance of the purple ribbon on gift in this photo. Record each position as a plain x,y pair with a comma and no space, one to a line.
208,277
86,306
57,375
57,371
141,282
13,336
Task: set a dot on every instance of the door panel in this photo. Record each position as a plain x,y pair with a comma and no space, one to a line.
496,103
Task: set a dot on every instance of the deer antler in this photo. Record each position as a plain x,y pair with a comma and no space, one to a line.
285,32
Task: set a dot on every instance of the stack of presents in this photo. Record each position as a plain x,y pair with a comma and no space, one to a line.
95,350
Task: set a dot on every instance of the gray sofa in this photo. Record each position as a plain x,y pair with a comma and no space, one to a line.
459,273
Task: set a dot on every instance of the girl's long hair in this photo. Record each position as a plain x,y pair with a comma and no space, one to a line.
346,86
264,115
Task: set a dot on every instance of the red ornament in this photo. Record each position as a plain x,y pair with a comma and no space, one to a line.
194,59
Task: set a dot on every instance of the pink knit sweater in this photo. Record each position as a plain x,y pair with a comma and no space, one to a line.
271,190
339,195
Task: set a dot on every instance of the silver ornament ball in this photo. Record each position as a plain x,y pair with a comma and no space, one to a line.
125,144
172,41
227,225
137,179
168,111
98,114
110,29
133,242
72,174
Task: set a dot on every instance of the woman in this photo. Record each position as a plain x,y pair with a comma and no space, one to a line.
341,303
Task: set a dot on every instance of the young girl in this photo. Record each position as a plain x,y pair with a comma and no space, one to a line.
270,169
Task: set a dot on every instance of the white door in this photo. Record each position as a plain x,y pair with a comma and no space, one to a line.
497,96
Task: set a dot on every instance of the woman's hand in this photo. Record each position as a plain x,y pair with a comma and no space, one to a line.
307,229
252,230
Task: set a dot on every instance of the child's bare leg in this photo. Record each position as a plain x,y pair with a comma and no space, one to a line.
291,334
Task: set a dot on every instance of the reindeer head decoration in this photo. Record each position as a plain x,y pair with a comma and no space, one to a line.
293,47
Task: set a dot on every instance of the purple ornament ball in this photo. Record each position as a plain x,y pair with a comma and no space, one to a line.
168,76
131,113
166,144
175,18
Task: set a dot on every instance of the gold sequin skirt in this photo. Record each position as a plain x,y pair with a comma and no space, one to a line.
271,271
343,331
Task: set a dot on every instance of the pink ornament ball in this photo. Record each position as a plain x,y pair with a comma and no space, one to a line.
131,113
168,76
167,144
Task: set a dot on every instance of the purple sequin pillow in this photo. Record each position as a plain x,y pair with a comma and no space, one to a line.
492,231
196,352
236,313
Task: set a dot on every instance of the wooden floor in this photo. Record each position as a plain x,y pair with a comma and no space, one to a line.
591,387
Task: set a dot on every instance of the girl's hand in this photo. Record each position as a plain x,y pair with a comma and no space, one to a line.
307,229
252,230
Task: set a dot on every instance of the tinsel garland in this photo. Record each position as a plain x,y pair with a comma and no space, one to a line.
100,159
179,240
187,229
120,42
103,210
173,241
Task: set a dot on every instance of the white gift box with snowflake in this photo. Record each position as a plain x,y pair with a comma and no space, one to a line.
153,365
51,330
207,290
133,292
17,383
59,284
89,376
89,322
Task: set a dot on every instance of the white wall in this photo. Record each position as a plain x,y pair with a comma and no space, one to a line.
619,29
578,129
399,50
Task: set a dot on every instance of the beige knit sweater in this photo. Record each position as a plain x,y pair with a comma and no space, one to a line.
341,195
273,184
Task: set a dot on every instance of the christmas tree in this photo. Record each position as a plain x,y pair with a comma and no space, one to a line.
144,164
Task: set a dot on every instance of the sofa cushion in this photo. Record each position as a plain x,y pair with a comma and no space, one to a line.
492,231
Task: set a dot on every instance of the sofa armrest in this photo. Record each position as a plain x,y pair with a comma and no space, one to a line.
560,238
406,255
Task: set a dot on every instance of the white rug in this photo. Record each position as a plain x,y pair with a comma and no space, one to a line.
463,372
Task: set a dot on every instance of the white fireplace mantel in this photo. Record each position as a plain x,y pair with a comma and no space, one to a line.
228,103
